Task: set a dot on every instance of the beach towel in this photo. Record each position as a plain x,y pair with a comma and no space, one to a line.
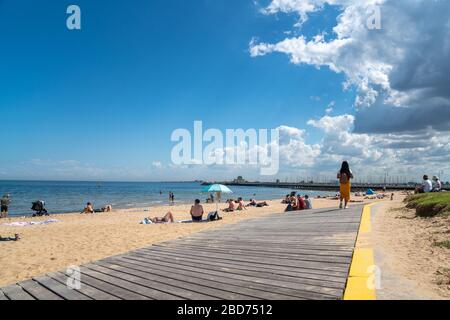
30,223
146,221
190,221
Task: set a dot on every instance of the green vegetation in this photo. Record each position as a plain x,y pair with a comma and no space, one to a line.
443,244
443,277
429,204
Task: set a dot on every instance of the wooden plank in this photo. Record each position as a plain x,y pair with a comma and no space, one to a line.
293,274
335,266
14,292
150,293
265,288
38,291
248,271
111,288
85,289
227,285
312,245
60,289
260,248
152,281
261,253
272,268
2,296
192,284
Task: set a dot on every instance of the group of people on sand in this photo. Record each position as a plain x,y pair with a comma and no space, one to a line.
197,211
90,209
297,202
238,205
434,185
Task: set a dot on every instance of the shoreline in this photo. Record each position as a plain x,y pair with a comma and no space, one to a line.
156,204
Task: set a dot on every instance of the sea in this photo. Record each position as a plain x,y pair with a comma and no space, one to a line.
72,196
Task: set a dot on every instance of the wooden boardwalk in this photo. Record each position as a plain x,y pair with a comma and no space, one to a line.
301,255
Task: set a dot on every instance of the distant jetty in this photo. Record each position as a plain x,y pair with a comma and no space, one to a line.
321,186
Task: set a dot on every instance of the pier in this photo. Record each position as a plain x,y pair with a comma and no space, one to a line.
323,186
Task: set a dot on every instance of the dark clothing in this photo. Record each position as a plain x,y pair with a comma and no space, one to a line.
196,219
4,202
4,208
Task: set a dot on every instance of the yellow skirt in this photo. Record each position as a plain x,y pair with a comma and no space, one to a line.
345,190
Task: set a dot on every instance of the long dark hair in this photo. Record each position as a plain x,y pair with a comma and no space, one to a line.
345,169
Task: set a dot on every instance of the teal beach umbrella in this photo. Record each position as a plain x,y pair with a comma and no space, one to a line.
218,189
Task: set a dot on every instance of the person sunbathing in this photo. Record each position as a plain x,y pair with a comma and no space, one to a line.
262,204
15,238
252,203
197,211
89,208
231,206
107,208
168,218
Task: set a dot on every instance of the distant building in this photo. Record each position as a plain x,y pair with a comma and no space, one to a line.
240,179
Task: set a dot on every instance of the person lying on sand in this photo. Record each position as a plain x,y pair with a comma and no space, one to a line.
231,206
197,211
252,203
168,218
16,238
262,204
89,208
107,208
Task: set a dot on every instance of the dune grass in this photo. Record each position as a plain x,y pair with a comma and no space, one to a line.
443,244
429,204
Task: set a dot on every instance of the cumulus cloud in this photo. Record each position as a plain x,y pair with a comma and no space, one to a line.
400,72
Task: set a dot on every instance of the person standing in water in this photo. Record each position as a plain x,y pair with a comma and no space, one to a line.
5,201
345,175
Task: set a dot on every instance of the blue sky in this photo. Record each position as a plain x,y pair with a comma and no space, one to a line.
109,96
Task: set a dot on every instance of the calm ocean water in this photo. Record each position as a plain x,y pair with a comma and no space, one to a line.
63,197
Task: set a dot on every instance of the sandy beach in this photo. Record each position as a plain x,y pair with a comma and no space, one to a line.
412,266
77,239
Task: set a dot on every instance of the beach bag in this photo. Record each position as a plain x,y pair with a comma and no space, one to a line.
214,216
343,178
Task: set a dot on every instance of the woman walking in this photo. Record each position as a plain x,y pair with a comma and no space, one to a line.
345,175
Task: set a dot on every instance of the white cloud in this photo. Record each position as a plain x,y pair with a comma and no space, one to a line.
406,63
402,114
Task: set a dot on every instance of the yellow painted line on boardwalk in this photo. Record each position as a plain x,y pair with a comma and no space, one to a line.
361,281
366,225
